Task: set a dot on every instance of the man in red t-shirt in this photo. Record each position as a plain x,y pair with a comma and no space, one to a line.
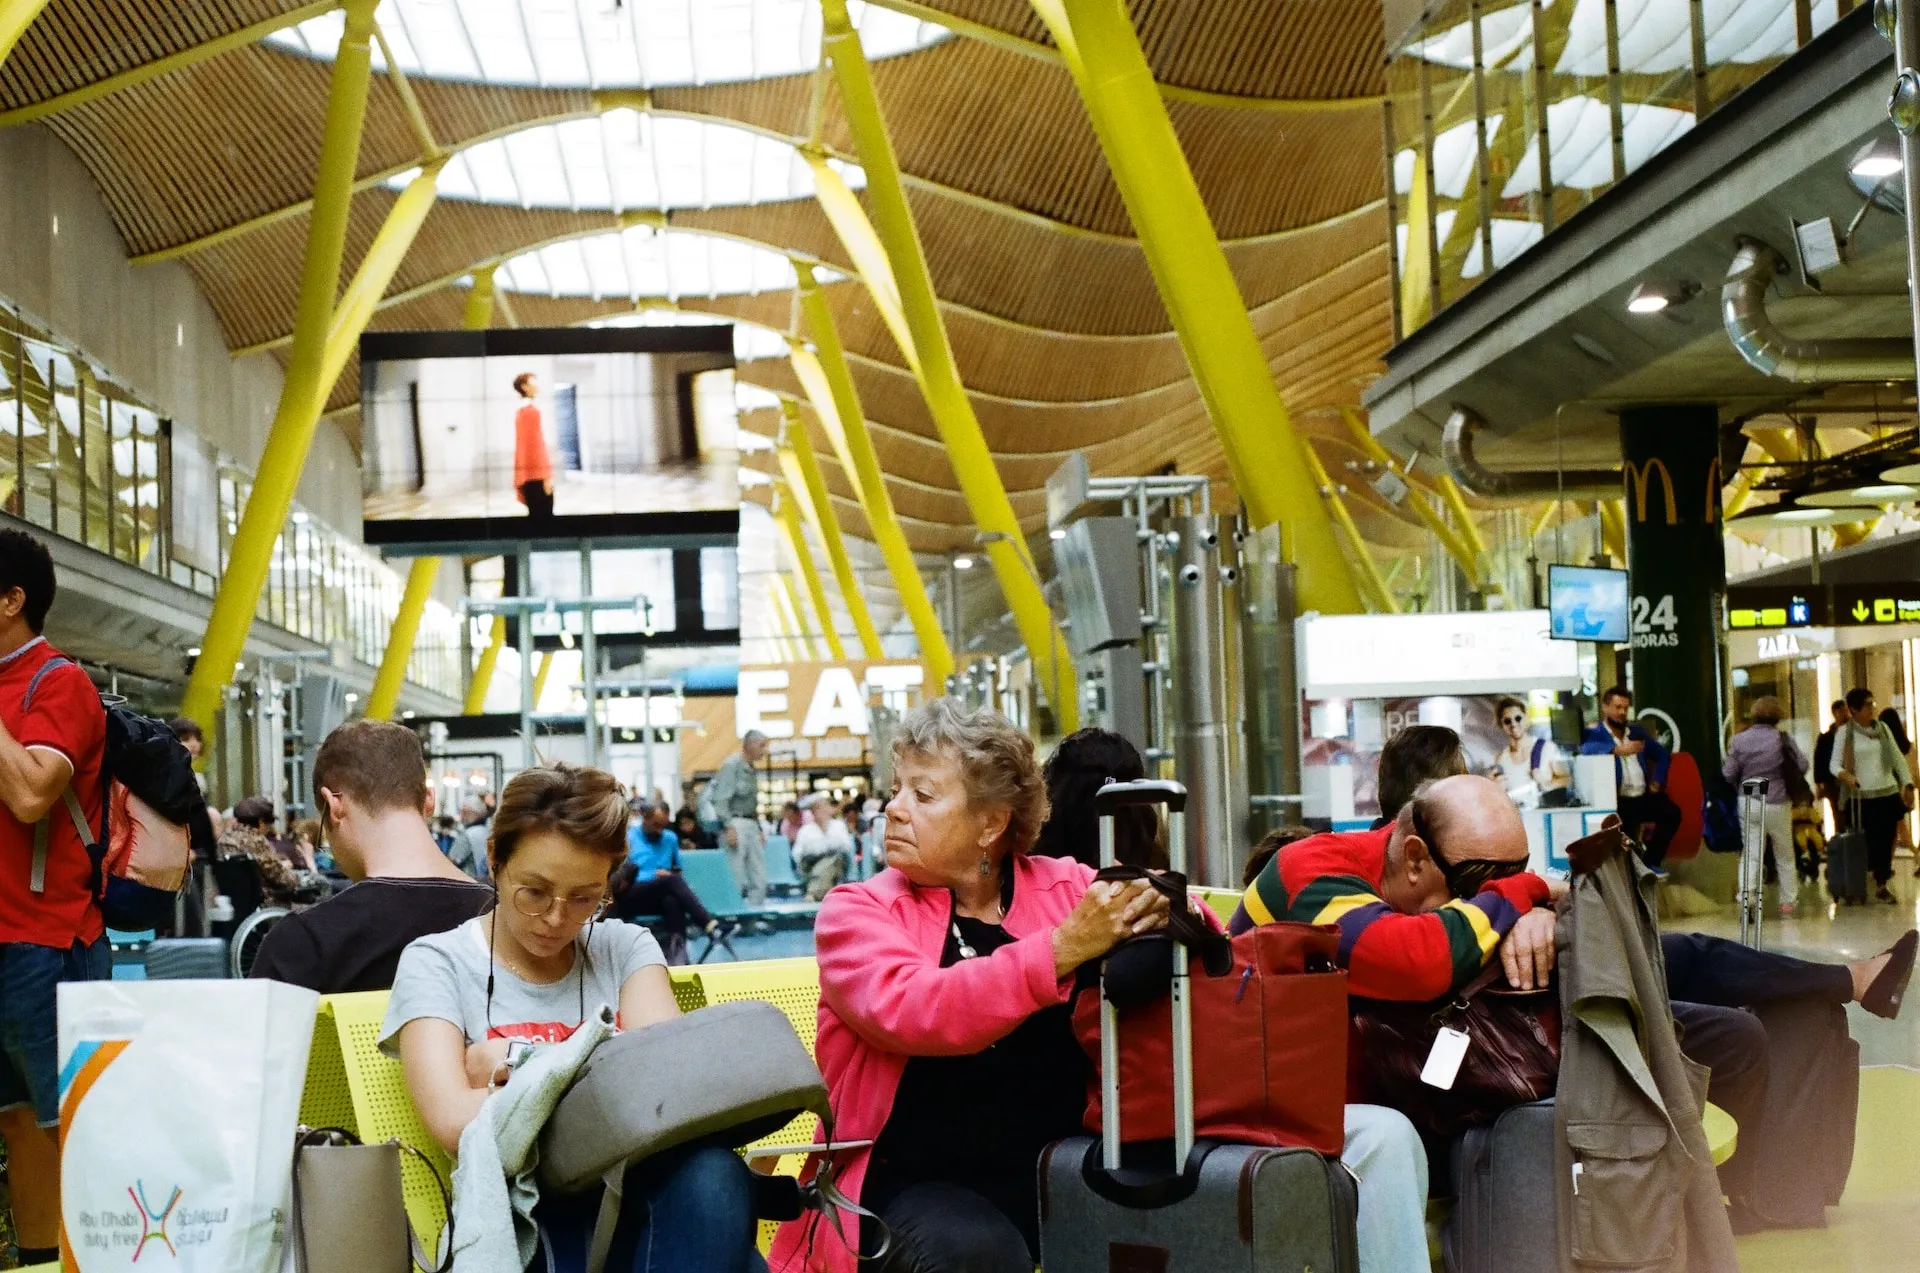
52,736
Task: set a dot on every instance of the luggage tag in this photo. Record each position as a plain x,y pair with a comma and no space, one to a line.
1443,1063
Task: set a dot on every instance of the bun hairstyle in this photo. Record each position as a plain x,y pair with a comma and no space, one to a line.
586,806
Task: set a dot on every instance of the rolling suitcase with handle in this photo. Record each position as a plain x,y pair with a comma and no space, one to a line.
1753,859
1202,1206
1503,1217
1847,859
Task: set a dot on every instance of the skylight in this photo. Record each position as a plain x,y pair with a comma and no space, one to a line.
643,263
1579,131
609,43
626,159
1656,36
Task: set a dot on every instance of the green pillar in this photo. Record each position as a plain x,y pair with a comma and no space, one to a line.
1677,572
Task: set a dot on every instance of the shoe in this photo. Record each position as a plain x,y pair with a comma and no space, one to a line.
1883,994
1884,894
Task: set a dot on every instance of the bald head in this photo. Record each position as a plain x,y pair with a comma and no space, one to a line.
1466,817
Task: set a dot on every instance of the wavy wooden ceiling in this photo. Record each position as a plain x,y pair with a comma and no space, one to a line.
1054,317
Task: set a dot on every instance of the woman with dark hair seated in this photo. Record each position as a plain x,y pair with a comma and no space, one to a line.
945,1033
1080,765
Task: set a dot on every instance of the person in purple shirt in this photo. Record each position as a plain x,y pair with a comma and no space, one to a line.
1763,750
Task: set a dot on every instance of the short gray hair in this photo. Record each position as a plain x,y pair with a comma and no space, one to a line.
997,764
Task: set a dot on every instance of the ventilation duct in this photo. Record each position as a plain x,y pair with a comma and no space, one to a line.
1456,445
1743,310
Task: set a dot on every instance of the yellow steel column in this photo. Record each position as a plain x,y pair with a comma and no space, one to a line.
540,675
303,390
1457,548
15,17
377,268
787,605
385,695
931,357
828,380
793,437
1363,555
1264,453
787,516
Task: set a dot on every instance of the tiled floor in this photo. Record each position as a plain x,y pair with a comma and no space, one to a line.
1877,1227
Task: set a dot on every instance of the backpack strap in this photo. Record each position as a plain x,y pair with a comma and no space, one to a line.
26,702
1539,745
37,875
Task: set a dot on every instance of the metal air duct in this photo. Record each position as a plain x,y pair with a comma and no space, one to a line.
1456,445
1743,311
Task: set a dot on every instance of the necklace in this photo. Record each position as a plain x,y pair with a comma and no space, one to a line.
967,951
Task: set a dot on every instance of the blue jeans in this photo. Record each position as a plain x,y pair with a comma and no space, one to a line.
684,1211
1387,1157
29,1042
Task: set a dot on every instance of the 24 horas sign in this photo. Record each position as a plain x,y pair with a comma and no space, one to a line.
812,713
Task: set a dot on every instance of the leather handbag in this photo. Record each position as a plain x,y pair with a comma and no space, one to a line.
1269,1033
1512,1056
1799,793
349,1207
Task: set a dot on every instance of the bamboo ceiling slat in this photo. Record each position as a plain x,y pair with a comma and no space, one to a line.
74,43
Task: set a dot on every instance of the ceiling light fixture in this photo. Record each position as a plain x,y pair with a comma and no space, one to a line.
1862,495
1654,296
1057,533
963,563
1790,512
1876,164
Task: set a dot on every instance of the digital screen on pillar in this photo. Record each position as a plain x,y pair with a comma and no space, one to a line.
1587,604
514,435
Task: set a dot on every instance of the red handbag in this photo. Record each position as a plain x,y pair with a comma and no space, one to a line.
1269,1047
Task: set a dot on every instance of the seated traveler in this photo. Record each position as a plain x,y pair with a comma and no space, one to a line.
532,970
50,741
1083,763
945,1028
823,849
686,825
370,785
1639,774
1415,755
650,883
246,835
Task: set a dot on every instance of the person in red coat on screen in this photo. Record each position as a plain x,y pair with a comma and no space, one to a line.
532,467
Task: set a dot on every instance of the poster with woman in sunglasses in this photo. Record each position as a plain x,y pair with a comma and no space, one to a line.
1530,767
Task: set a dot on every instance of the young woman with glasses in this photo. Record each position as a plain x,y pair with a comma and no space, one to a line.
467,1003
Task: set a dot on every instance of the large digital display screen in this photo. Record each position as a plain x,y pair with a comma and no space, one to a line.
568,433
1587,604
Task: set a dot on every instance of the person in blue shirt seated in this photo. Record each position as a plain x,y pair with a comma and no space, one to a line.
650,883
1639,773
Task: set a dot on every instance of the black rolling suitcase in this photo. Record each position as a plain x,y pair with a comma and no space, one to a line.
187,958
1504,1211
1802,1151
1229,1207
1847,859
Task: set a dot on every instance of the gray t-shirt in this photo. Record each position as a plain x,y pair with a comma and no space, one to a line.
445,977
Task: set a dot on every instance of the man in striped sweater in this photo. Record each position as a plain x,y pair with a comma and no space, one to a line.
1424,902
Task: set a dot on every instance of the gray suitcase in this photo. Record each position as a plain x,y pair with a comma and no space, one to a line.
1229,1207
187,959
1753,859
1504,1215
1847,859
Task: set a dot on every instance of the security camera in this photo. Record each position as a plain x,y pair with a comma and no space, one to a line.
1189,574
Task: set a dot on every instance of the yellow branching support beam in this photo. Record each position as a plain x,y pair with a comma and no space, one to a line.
377,268
931,357
793,438
828,380
1417,263
540,677
304,390
1459,549
787,517
1362,555
15,17
1468,529
385,696
786,607
1613,527
1265,455
1541,519
483,671
1847,534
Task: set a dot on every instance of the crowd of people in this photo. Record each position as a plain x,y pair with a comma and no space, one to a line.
946,980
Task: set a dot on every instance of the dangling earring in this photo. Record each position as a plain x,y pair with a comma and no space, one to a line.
986,865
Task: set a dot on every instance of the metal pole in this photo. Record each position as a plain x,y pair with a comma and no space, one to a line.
523,565
1904,109
589,658
304,388
1200,745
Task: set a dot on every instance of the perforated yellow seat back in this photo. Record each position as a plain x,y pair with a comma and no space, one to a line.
1222,901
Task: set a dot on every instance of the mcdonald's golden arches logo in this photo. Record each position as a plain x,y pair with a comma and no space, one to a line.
1638,477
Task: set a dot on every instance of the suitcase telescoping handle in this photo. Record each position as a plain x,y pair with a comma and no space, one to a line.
1106,802
1753,858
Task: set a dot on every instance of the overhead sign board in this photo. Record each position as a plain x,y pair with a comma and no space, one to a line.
1874,604
1762,606
1404,655
811,713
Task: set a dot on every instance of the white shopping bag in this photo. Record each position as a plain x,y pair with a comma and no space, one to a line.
178,1103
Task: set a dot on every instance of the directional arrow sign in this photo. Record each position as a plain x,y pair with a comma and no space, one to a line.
1874,604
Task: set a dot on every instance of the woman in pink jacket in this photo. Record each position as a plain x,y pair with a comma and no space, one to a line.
945,1034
